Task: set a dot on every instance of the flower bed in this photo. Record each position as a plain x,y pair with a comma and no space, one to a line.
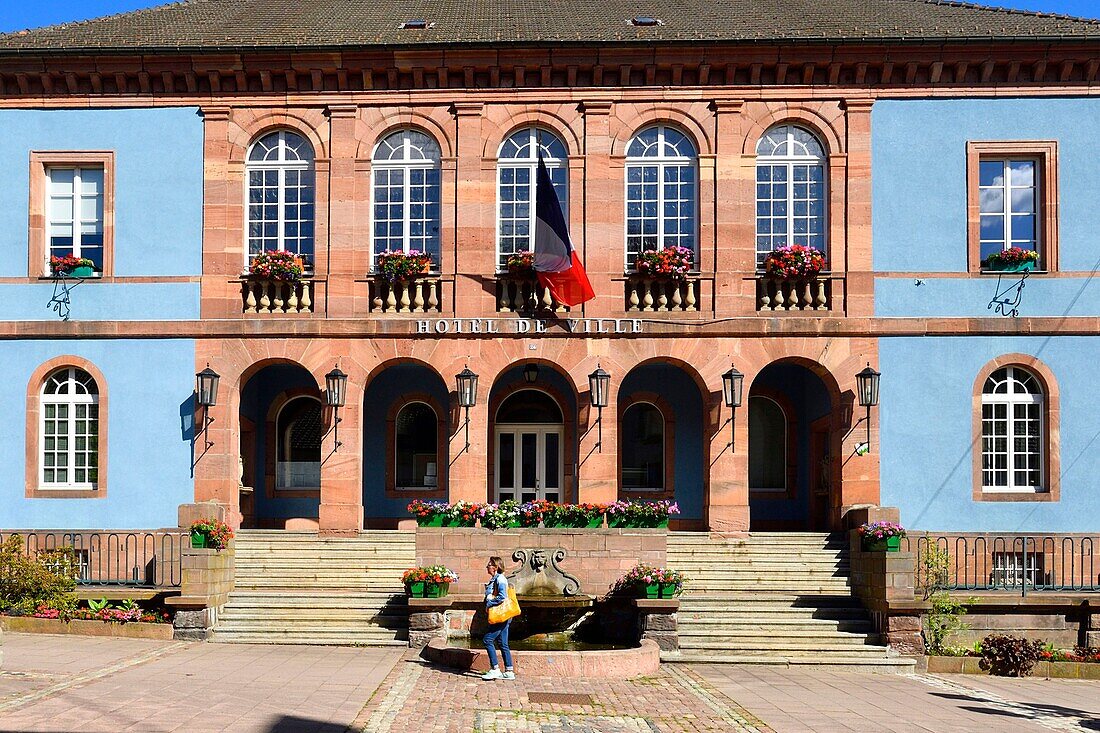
433,581
794,262
396,265
276,264
641,513
621,514
1080,663
79,627
670,263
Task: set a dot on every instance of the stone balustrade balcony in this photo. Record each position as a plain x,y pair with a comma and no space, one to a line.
662,295
420,295
524,294
262,296
799,295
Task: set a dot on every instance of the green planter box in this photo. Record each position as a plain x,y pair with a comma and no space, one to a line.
620,522
653,590
593,523
198,539
552,523
890,544
996,266
434,520
457,522
416,590
667,590
436,590
83,271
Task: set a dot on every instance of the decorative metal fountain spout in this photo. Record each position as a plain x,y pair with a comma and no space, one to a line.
539,574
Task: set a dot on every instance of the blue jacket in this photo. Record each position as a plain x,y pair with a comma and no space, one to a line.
496,591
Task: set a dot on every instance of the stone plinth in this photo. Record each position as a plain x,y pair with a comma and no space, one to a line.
427,620
207,579
657,622
604,664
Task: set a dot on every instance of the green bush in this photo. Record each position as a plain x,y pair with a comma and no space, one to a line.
48,578
1009,656
945,614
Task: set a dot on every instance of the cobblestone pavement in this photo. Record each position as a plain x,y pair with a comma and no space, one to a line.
793,701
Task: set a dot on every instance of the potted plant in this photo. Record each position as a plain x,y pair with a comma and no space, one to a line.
463,514
414,580
438,581
794,262
429,513
647,581
670,263
1013,259
399,266
520,264
499,516
72,265
670,582
881,536
278,265
210,533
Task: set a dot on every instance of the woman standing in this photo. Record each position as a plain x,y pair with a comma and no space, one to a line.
496,593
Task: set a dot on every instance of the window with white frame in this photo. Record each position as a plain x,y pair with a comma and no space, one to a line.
1008,191
1012,431
281,193
74,213
517,164
790,191
69,430
405,194
662,200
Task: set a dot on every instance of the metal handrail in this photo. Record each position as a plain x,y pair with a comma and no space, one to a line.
131,559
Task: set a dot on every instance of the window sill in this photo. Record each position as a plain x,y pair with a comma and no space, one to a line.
52,278
51,492
1022,496
1013,272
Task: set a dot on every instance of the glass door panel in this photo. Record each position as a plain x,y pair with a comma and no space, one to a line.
506,466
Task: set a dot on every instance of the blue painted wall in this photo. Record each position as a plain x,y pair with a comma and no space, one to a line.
680,391
382,392
158,208
926,410
919,200
150,391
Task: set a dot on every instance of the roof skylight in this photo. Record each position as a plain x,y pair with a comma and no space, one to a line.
417,24
645,21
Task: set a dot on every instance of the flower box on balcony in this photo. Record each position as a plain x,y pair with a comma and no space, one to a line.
72,266
794,262
277,265
1013,259
400,266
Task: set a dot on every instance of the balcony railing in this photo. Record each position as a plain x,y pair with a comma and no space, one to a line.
802,294
661,295
519,294
421,295
145,559
276,296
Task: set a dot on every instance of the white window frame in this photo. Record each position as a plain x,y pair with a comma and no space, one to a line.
664,448
544,139
77,221
71,398
1006,188
1010,400
790,161
397,486
282,165
407,163
661,162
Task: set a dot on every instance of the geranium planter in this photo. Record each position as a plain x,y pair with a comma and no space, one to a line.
667,590
997,266
198,539
434,520
416,589
651,590
436,590
888,544
83,272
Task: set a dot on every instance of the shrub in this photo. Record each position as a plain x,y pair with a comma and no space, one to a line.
27,582
945,613
1009,656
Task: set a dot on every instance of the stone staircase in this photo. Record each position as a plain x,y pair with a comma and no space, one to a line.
773,598
299,588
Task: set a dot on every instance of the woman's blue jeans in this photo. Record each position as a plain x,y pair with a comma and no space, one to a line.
495,632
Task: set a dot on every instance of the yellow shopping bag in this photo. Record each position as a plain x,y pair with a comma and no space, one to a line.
508,609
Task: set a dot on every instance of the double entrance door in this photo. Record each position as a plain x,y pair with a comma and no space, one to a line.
529,462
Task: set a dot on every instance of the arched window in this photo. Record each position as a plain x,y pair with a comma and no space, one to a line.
767,445
662,200
299,429
1012,431
790,190
416,447
280,195
643,448
517,164
405,192
69,436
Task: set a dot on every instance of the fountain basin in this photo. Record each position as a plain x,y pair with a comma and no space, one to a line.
619,664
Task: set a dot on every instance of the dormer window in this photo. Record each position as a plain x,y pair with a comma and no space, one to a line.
416,25
645,21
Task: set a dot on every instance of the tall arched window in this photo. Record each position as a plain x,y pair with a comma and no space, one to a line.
516,166
790,190
405,193
767,445
1012,431
643,448
69,437
416,447
281,195
298,430
662,200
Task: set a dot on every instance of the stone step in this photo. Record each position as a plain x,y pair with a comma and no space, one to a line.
776,635
254,618
771,625
352,599
774,615
753,647
307,637
836,663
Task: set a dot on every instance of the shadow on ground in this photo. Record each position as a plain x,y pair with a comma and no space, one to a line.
1024,710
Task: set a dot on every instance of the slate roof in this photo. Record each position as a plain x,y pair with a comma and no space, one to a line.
239,25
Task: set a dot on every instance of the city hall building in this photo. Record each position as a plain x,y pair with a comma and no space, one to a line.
905,140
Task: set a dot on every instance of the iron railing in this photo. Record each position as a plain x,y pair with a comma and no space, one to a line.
1017,563
133,559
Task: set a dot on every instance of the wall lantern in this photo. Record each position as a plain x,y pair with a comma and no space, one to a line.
466,382
732,383
336,385
867,389
531,373
206,390
599,384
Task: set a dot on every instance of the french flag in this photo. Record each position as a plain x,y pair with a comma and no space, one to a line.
556,263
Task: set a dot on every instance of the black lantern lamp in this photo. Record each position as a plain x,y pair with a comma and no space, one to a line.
599,384
867,387
206,391
466,382
531,373
732,383
336,387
